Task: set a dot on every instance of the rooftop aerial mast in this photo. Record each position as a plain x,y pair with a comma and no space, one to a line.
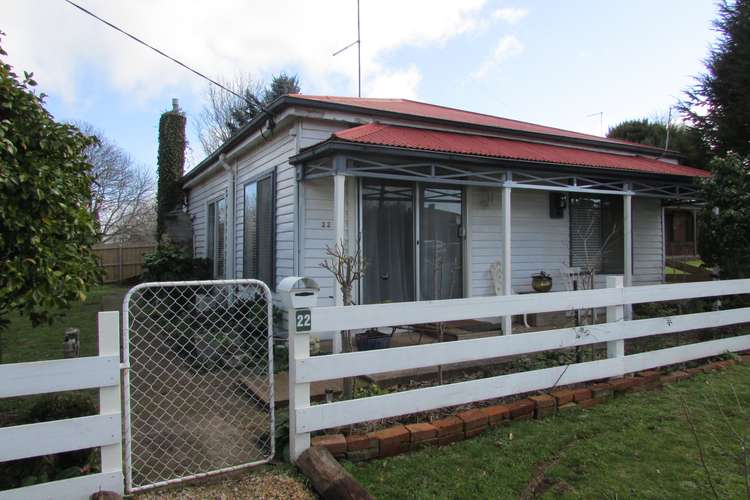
358,43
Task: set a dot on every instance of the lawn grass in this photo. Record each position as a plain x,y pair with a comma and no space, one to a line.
637,446
22,342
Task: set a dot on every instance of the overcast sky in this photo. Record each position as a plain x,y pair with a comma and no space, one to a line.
552,63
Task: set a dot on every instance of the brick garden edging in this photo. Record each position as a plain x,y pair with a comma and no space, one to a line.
469,423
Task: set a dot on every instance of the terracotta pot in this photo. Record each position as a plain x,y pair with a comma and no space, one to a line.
541,283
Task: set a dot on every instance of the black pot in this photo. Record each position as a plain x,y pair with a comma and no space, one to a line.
373,339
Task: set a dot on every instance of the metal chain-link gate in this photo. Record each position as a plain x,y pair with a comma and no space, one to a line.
198,386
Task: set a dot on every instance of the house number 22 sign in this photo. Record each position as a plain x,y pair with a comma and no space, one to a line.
303,319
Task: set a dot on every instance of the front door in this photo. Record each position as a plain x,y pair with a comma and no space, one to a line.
388,241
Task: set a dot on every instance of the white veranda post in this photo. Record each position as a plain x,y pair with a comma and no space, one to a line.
339,190
507,270
627,224
616,348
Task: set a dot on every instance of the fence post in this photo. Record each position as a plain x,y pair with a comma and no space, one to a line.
616,348
299,394
109,397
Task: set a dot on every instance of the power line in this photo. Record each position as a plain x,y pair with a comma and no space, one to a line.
254,102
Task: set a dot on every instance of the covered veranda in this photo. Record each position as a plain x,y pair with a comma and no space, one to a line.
431,160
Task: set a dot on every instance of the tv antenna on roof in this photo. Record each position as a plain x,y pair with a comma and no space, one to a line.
358,43
601,121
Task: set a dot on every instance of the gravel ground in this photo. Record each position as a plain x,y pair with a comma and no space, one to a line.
250,485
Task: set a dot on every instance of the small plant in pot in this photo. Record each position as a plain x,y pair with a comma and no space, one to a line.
541,282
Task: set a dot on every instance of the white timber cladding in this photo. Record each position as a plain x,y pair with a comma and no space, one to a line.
319,230
210,189
648,241
266,158
538,242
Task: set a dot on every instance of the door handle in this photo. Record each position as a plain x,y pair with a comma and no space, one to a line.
385,276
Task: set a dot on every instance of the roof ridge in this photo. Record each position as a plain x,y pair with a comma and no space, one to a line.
352,101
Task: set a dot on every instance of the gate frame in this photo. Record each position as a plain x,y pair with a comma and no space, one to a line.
127,462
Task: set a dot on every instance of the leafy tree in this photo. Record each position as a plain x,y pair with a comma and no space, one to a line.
171,161
718,105
653,132
224,114
725,218
46,228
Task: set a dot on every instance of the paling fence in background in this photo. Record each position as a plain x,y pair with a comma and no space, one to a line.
198,384
122,262
304,369
102,430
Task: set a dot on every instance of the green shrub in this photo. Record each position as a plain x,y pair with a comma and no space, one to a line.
171,263
59,407
17,473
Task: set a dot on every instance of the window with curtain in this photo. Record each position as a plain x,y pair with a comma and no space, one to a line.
216,238
596,233
259,231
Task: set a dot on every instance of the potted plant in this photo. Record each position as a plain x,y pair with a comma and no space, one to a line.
541,282
373,339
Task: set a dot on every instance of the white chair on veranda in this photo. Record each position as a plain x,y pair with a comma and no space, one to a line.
496,272
575,279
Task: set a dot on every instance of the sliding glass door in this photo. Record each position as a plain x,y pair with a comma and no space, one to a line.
411,235
388,241
440,243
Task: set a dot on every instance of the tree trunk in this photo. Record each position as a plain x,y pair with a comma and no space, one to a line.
346,343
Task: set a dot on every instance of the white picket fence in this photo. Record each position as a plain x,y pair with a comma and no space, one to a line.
103,430
303,369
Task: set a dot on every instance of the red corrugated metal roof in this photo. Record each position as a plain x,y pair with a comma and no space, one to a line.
426,110
453,142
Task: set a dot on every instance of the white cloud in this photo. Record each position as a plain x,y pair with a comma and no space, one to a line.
398,83
223,38
510,15
507,47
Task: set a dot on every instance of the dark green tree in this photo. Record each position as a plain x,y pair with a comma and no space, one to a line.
281,84
171,162
684,139
718,105
224,114
46,228
725,218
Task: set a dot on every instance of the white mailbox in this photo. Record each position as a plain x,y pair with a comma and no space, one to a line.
298,292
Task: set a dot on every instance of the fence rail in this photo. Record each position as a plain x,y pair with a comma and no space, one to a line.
304,369
122,262
103,430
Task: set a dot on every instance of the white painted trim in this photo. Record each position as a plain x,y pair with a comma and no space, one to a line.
318,417
77,488
339,222
409,313
616,314
46,438
299,393
467,241
39,377
110,399
507,320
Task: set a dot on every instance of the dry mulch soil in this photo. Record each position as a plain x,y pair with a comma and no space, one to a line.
249,485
